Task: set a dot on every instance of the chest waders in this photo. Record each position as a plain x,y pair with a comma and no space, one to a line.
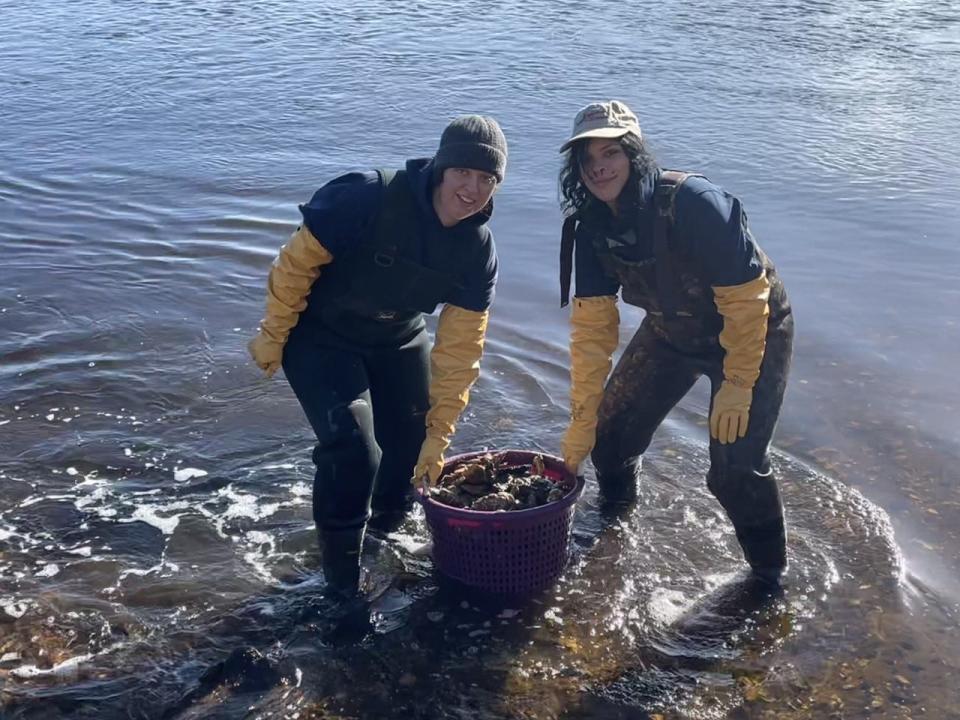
358,362
676,343
377,294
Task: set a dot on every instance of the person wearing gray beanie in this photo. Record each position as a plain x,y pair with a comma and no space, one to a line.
468,167
344,319
473,141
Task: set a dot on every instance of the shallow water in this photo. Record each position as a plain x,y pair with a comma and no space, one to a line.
157,557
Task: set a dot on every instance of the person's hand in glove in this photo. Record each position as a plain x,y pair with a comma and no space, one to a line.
295,269
745,310
430,462
575,446
731,412
266,353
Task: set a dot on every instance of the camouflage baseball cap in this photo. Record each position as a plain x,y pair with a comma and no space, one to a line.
603,120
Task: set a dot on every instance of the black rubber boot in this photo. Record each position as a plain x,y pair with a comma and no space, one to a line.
765,549
341,560
349,616
390,509
388,519
752,502
618,486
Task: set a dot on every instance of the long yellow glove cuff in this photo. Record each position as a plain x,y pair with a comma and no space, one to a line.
745,309
594,336
295,269
454,367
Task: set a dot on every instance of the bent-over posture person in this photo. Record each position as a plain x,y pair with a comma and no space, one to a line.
345,303
679,247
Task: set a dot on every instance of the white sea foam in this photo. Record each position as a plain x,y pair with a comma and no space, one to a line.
49,570
245,505
300,489
667,605
151,516
14,608
65,668
95,497
91,478
141,572
258,537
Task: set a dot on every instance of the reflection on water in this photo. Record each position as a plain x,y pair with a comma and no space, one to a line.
157,557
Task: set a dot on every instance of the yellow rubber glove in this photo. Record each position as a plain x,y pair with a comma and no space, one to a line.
594,336
454,367
430,461
745,309
731,412
295,269
267,354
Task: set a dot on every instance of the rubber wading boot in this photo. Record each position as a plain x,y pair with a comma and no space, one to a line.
618,487
341,560
389,512
765,549
752,502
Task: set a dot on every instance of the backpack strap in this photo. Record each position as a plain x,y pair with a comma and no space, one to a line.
567,239
664,198
396,215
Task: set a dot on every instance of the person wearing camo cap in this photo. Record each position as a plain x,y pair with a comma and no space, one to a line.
679,247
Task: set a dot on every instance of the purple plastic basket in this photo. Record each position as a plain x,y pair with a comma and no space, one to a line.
518,552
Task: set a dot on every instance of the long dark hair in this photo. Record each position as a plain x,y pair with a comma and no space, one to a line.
574,194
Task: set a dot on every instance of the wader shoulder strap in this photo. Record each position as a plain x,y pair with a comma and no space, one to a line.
397,217
664,198
567,239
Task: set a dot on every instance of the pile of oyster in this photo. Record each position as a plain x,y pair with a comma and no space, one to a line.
488,483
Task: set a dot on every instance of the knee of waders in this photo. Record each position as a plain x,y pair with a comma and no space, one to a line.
351,461
342,485
342,425
345,436
346,462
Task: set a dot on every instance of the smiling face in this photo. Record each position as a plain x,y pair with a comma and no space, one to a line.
462,192
604,169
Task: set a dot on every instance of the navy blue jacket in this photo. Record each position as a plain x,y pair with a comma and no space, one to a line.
341,211
709,227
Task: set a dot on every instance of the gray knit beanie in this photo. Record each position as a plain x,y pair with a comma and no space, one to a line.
473,141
